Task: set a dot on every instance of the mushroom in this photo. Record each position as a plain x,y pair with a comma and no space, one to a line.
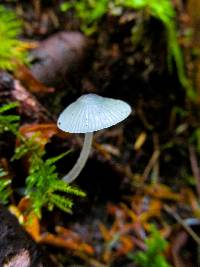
90,113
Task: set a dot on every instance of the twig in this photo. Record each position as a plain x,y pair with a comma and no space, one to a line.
156,166
195,168
195,237
89,260
150,164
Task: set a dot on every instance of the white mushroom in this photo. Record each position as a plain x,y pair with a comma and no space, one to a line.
90,113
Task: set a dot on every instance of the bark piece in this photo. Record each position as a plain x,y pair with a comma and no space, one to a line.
12,90
17,249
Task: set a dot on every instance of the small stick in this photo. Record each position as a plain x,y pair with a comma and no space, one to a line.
150,164
195,168
156,167
195,237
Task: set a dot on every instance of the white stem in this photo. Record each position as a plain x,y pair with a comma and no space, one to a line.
75,171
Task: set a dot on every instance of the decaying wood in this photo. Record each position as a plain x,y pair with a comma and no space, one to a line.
12,90
17,249
28,103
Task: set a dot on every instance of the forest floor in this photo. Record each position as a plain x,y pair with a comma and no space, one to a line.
142,179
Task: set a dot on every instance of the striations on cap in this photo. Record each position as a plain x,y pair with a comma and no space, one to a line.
91,113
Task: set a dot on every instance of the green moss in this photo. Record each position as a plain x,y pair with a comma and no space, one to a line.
91,12
5,189
43,186
11,48
153,256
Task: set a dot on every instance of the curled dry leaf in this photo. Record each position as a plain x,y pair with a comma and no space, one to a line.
30,82
46,131
118,242
31,221
107,151
66,239
162,191
120,238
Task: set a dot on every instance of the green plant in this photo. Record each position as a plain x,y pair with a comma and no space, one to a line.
90,13
44,188
11,48
5,190
163,10
42,184
8,122
153,256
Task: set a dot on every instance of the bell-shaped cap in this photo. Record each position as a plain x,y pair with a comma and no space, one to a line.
91,113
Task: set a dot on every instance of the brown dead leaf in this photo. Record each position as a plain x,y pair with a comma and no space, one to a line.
104,232
120,235
161,191
28,219
140,140
153,211
127,245
17,213
107,256
69,242
33,85
27,45
32,226
31,221
188,197
106,150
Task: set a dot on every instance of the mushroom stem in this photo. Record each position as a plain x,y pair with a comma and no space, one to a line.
75,171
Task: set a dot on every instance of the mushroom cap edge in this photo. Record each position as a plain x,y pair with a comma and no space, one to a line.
91,112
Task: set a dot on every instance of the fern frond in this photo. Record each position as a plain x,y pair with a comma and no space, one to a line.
27,146
5,190
8,122
45,189
8,106
62,186
42,184
61,202
55,159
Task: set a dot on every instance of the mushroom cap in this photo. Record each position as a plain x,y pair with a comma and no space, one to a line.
91,113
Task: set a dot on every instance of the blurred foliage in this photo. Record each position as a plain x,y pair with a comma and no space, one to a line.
42,184
11,49
8,122
91,12
5,190
153,256
195,139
